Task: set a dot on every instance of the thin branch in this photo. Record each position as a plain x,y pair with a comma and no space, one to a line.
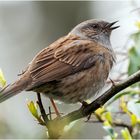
42,110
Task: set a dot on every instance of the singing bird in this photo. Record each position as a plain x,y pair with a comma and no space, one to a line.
73,68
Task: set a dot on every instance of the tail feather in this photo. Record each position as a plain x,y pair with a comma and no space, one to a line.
13,89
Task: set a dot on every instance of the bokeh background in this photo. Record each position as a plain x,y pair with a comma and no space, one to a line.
28,27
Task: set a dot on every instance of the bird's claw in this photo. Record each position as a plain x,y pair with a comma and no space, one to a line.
113,83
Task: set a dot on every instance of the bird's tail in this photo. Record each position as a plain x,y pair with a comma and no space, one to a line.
13,89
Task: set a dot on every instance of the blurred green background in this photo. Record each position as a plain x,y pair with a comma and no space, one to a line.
28,27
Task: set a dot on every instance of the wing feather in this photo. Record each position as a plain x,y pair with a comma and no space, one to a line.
55,63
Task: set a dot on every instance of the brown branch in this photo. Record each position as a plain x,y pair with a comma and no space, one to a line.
42,110
56,126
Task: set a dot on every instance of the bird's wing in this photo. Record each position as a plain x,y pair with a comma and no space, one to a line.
67,58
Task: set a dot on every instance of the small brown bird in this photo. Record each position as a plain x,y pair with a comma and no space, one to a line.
73,68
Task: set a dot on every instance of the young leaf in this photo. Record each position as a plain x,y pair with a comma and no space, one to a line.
123,105
126,134
108,117
33,109
100,111
133,119
2,79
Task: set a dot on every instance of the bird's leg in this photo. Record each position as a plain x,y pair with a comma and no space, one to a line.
55,107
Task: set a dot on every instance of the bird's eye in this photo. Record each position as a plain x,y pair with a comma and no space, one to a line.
94,26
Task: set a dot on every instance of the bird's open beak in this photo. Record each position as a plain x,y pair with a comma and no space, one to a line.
109,26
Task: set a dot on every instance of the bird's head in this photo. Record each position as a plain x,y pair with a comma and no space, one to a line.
96,30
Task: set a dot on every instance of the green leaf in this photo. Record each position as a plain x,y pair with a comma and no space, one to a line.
137,102
2,79
136,39
134,63
126,134
134,54
33,109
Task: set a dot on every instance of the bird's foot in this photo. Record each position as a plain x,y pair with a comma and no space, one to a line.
84,103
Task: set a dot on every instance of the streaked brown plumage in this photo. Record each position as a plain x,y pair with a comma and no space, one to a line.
72,69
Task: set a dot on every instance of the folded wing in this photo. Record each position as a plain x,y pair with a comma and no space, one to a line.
57,62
